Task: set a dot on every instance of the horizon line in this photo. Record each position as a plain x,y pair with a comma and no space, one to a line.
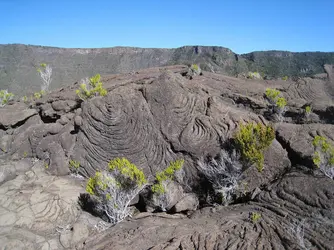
170,48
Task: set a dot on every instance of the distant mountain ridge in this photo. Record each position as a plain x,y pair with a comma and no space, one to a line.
18,62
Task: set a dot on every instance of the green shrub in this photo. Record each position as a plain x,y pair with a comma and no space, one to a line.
95,183
91,88
251,140
308,109
317,159
195,70
254,75
167,174
74,166
128,170
195,67
322,143
279,103
116,187
323,157
255,217
324,149
38,95
160,194
285,78
5,97
272,94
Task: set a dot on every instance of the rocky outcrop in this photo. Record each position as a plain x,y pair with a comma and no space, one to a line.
15,115
152,117
285,207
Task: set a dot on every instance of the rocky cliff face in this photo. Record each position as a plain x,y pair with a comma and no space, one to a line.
18,63
151,117
284,63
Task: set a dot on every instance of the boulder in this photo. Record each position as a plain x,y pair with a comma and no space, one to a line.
188,203
166,201
74,235
13,115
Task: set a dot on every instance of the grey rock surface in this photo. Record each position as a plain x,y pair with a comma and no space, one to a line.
152,117
12,115
188,203
232,228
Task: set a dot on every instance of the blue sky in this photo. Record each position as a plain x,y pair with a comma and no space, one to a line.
241,25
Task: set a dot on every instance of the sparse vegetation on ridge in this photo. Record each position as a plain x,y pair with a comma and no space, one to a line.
38,95
229,63
272,95
45,72
254,75
5,97
91,87
195,70
278,103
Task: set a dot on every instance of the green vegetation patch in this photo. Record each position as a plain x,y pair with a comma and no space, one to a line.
92,88
167,174
324,154
251,140
255,217
273,96
127,169
5,97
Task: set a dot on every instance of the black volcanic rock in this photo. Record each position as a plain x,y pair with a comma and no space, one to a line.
151,117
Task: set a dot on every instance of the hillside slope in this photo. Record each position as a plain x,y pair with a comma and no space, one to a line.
281,63
18,63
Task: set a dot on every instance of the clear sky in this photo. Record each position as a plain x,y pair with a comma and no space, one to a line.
241,25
